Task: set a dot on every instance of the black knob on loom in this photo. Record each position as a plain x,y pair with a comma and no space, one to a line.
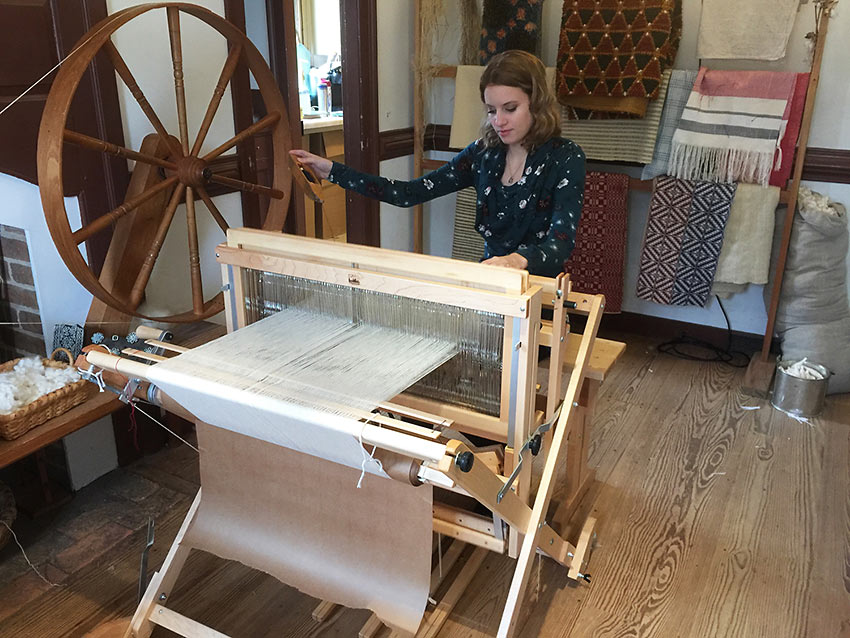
534,444
464,461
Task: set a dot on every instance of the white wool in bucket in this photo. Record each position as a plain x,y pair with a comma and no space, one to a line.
29,380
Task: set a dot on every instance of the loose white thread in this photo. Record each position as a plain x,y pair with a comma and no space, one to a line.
366,457
172,433
26,558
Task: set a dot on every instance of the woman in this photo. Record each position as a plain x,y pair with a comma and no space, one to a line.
530,182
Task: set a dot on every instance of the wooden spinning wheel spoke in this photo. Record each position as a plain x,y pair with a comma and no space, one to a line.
127,77
152,198
260,125
218,93
94,144
138,290
105,221
194,255
217,216
177,63
247,186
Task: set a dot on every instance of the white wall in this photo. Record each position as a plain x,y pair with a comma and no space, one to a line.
830,129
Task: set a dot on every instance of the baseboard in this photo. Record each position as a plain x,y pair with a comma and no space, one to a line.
665,329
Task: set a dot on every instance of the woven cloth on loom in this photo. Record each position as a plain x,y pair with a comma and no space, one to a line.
678,91
682,243
597,262
619,140
748,30
792,119
731,126
509,24
745,255
612,53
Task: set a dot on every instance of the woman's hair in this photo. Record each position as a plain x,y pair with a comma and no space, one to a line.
524,71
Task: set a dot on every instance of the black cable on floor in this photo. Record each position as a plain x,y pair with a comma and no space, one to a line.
693,349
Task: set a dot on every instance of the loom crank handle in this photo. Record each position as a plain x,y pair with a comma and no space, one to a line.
533,445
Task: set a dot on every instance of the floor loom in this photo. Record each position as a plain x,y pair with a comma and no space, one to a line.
413,423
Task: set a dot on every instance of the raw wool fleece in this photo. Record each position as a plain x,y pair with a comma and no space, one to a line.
813,317
29,380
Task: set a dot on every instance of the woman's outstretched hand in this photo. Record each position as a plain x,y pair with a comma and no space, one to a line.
514,260
319,165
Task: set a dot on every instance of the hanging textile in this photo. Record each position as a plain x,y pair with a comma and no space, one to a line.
619,140
598,260
792,119
750,30
508,25
681,246
745,254
731,126
681,83
612,54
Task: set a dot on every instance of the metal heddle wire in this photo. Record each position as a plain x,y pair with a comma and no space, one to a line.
471,379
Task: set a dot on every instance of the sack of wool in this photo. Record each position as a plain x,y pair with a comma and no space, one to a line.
29,380
813,317
814,286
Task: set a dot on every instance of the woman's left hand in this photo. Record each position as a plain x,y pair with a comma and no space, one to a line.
514,260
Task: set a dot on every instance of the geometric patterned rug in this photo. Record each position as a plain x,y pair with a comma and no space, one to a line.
684,234
597,262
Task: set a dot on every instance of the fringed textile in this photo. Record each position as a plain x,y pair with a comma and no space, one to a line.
598,260
508,25
731,126
684,234
681,83
617,51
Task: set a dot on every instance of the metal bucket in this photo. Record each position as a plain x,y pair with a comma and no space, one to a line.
799,397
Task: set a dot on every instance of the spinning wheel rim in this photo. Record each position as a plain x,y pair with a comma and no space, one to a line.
53,132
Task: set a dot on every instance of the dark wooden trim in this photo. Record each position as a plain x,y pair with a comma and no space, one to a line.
280,15
399,142
240,95
358,19
822,164
827,165
669,329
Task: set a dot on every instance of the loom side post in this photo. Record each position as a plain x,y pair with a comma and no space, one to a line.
511,617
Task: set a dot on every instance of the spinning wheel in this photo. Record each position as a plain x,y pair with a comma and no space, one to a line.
175,168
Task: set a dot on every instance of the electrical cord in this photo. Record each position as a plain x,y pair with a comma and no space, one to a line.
693,349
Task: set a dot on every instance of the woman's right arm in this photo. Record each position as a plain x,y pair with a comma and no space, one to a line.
458,173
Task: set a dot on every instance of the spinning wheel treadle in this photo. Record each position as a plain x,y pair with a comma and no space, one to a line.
175,168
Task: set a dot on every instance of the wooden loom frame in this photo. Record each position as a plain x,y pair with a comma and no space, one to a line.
515,296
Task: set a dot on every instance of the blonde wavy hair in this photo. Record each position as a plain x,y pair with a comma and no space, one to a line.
524,71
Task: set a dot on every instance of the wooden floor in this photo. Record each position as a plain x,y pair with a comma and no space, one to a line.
714,520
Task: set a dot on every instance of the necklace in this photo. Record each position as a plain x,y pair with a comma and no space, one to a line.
514,172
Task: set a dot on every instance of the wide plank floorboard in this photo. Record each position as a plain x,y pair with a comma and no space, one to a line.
714,520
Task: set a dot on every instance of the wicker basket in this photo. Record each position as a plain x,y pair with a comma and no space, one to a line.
44,407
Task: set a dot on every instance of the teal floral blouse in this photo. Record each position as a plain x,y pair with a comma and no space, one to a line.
536,217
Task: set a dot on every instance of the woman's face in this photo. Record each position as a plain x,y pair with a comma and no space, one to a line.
508,111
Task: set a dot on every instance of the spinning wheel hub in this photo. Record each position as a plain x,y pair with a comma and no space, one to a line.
193,171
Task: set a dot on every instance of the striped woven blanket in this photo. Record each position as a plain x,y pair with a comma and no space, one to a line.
731,126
